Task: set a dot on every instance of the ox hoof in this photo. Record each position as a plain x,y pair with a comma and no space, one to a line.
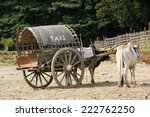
93,82
128,85
133,83
120,86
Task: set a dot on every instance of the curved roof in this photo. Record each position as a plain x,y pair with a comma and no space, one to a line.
48,35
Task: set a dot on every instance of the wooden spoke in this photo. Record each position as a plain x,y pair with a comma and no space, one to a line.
62,59
40,79
67,73
75,77
59,64
77,74
66,60
44,77
60,74
30,74
73,59
60,69
70,57
74,64
37,79
63,77
69,79
33,77
46,74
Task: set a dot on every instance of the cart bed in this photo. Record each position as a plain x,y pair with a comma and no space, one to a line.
28,61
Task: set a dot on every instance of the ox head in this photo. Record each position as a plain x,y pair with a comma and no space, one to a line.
105,57
134,45
136,48
102,56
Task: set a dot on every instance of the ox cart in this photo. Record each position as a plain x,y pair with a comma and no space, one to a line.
45,53
51,52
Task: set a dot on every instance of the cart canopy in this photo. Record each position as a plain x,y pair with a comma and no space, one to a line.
48,35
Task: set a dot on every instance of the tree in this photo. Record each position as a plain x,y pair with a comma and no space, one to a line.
80,15
91,18
120,14
7,43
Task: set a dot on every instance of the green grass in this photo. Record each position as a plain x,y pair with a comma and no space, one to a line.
7,59
144,50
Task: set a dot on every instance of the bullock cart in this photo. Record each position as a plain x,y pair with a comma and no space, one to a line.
50,52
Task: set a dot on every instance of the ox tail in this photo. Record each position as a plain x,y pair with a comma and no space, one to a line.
119,57
121,70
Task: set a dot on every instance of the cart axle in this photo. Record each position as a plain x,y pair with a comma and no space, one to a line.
69,67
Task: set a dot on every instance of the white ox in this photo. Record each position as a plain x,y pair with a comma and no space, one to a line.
126,56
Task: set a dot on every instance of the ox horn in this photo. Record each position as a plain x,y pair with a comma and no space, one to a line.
112,50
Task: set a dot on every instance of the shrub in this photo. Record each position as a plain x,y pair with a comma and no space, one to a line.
7,42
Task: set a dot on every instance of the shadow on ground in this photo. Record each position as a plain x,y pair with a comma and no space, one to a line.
89,85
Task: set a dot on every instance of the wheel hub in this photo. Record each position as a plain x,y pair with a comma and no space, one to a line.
69,67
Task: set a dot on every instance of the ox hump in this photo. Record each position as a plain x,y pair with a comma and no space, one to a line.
121,47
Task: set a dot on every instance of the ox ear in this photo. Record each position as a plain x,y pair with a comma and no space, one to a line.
136,45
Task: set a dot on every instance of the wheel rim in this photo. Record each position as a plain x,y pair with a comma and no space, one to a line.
67,67
37,79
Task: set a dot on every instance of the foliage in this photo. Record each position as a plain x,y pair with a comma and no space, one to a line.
7,42
91,18
121,14
7,59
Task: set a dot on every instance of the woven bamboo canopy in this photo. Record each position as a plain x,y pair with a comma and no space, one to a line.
47,35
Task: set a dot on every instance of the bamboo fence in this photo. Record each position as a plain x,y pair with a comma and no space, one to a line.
142,37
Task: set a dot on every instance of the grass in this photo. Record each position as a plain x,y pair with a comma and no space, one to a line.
7,59
145,50
145,47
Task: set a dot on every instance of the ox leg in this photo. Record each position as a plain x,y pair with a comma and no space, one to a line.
133,81
92,75
126,77
121,80
131,71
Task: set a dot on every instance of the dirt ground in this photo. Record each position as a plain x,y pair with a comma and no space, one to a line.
13,86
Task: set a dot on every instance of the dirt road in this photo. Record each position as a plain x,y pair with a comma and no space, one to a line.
13,86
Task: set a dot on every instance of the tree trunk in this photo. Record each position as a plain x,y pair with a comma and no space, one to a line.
6,48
